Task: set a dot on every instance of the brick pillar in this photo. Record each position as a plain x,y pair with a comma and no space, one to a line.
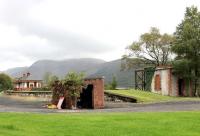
170,82
98,91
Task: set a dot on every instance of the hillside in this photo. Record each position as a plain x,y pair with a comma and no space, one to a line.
108,69
91,67
16,72
59,68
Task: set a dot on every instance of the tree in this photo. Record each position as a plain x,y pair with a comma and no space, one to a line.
52,79
46,78
113,83
187,47
70,86
49,79
73,83
152,48
5,82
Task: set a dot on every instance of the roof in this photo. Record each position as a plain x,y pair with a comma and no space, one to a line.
163,67
27,77
94,77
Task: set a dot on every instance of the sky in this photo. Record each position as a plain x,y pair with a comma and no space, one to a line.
32,30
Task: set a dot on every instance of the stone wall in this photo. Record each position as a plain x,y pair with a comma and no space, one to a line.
164,89
170,83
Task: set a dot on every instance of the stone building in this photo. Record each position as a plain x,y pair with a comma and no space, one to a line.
26,83
166,83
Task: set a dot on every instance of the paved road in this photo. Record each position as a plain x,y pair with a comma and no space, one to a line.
13,104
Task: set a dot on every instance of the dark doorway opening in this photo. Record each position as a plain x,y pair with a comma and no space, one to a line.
27,84
85,100
64,104
35,84
180,87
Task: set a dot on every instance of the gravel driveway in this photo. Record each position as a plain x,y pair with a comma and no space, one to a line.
16,104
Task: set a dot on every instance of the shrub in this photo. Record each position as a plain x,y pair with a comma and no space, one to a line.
70,86
5,82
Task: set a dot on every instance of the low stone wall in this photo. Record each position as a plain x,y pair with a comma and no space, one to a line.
118,98
44,94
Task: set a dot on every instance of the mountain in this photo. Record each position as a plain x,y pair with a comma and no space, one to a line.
91,67
59,68
16,72
125,78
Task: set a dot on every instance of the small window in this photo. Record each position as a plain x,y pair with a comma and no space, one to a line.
157,82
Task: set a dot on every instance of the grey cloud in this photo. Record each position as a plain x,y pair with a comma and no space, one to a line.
8,55
15,11
60,43
64,39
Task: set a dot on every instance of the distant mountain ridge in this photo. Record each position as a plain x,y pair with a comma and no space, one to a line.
16,72
91,67
58,68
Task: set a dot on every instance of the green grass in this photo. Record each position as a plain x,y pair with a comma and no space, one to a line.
101,124
147,97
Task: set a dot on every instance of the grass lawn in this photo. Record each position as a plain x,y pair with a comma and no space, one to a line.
101,124
144,96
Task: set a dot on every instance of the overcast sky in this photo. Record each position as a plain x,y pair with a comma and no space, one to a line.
32,30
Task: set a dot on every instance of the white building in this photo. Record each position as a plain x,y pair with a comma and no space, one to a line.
26,82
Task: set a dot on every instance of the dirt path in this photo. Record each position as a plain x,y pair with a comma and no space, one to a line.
17,104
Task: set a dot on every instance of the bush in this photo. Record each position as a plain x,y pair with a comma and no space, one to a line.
108,87
70,87
5,82
112,85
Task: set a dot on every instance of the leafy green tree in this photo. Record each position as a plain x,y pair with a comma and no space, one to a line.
152,48
52,79
71,85
5,82
114,83
187,47
111,85
47,78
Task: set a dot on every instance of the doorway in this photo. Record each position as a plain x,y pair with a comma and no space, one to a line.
85,100
180,87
